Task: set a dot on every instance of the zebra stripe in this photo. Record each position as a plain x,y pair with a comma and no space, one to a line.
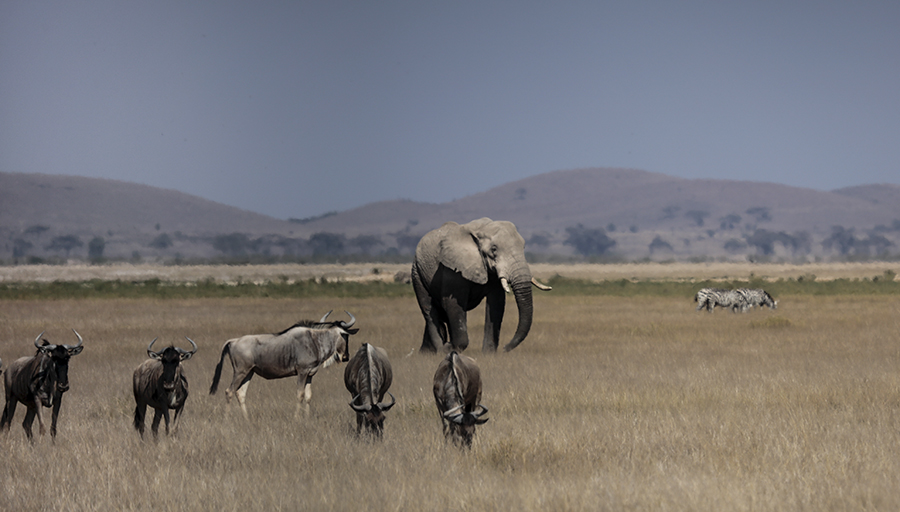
757,297
712,297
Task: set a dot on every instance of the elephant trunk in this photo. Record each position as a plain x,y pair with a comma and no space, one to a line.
521,287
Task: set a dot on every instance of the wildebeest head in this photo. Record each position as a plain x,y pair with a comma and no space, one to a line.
170,357
373,414
52,376
342,350
462,424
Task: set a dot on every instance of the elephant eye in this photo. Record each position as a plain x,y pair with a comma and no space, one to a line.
493,249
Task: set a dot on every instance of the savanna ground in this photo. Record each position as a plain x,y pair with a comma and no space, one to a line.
611,403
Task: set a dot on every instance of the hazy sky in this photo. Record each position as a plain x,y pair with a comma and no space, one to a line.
297,108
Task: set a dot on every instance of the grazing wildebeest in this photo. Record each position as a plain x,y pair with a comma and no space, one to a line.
39,380
298,350
160,383
457,392
368,376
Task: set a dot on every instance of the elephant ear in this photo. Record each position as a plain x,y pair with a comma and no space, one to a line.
459,252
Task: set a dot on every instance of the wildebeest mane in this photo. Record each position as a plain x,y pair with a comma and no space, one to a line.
309,324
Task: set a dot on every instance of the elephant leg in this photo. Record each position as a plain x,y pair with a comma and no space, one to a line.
456,324
495,306
434,336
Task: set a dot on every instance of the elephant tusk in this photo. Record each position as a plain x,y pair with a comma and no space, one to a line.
540,286
505,285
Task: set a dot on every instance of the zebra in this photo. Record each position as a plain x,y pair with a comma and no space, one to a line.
757,297
712,297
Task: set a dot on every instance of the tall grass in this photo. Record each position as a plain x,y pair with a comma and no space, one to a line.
611,403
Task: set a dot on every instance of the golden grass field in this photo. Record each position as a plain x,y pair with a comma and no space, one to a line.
609,404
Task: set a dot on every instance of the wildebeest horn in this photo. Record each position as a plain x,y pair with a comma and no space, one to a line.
80,341
480,413
346,325
192,343
388,406
322,321
149,351
449,413
36,340
358,408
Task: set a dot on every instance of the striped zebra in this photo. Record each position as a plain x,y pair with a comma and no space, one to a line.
757,297
712,297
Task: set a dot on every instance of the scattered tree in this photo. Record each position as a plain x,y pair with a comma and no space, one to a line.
846,243
760,213
161,241
324,243
658,244
235,244
96,247
65,243
734,245
365,243
730,221
21,247
697,216
589,242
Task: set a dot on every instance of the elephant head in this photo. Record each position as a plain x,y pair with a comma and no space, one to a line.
484,251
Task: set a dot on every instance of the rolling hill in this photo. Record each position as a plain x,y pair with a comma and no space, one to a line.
648,215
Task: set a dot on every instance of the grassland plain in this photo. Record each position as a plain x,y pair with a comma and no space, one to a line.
632,402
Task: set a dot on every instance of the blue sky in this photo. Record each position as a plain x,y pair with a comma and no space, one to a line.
297,108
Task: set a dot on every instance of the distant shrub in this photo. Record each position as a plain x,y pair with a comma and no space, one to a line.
162,241
96,247
697,216
65,243
658,244
587,241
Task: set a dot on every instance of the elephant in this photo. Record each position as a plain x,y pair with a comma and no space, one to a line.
456,267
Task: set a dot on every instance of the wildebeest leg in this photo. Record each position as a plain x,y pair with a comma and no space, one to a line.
241,395
57,403
8,411
165,413
238,387
304,396
175,420
154,427
36,411
28,421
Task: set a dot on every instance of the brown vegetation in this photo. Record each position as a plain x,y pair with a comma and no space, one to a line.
640,404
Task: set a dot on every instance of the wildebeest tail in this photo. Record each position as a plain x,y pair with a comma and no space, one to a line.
226,349
138,420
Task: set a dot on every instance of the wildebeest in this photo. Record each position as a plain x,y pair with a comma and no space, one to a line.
39,380
457,392
160,383
300,350
368,377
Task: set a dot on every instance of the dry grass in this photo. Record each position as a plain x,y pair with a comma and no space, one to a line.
610,404
385,271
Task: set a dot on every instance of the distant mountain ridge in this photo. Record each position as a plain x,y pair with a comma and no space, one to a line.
648,215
